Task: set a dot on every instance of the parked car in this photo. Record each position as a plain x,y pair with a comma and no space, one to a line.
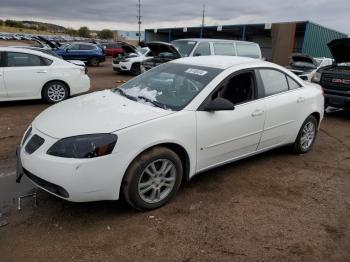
131,62
29,74
90,53
305,66
113,49
165,52
167,125
335,79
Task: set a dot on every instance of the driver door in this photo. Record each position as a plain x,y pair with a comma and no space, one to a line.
223,136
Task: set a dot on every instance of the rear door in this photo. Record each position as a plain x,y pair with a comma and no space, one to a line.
3,93
25,74
286,104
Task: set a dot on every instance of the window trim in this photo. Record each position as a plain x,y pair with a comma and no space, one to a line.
256,97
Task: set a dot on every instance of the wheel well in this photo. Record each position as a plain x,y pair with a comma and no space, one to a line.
180,151
317,116
42,90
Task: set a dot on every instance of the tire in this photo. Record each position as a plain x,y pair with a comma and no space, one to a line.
145,192
55,91
306,136
135,69
94,61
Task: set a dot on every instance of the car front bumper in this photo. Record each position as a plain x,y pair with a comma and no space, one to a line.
76,180
337,100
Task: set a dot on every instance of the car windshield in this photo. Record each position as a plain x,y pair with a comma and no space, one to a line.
184,47
170,86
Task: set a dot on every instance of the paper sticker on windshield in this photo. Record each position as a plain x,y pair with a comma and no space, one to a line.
196,71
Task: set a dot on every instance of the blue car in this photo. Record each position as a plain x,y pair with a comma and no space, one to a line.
90,53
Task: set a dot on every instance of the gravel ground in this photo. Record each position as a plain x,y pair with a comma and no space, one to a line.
272,207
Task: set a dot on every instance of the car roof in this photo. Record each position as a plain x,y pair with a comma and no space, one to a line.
26,50
222,62
214,40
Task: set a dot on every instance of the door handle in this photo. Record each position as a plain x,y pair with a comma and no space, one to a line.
42,72
301,99
257,112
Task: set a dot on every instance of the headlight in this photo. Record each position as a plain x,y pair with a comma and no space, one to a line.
125,60
316,77
85,146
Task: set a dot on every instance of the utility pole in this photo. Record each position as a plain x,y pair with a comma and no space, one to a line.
139,20
203,16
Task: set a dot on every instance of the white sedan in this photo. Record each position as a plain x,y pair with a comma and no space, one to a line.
167,125
29,74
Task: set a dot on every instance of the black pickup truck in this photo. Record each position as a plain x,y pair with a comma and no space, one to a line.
335,79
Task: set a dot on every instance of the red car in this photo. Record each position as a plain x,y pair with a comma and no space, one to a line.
113,49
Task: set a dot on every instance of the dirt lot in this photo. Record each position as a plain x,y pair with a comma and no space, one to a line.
272,207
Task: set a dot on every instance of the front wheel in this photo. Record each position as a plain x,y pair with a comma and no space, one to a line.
152,179
55,91
135,69
306,136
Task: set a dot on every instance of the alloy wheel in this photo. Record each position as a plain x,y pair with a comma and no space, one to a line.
56,92
157,181
307,135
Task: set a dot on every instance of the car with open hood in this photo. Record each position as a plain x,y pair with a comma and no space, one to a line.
335,79
184,117
131,61
305,66
164,52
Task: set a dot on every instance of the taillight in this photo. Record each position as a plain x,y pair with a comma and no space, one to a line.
322,90
86,70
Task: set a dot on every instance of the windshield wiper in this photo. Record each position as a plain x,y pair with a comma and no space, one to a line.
153,102
122,92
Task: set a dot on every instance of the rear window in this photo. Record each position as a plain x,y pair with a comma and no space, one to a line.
248,50
224,49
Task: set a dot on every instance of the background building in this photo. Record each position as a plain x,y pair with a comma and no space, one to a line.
277,40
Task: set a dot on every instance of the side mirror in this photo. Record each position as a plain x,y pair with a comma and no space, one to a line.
219,104
67,50
197,54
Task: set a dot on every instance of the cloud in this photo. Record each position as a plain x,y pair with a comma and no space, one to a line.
121,14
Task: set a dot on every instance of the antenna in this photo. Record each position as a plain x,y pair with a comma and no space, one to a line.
139,20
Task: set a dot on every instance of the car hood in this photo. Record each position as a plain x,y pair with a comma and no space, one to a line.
48,42
162,47
302,62
340,49
129,48
98,112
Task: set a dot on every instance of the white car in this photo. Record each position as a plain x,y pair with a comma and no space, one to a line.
29,74
306,66
167,125
132,61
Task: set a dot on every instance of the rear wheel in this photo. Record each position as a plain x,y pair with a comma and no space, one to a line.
135,69
55,91
152,179
94,61
306,136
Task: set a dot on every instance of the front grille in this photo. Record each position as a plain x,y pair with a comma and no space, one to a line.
34,143
26,135
55,189
328,82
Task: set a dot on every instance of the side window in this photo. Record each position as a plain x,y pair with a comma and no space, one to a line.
274,81
238,89
248,50
224,49
73,47
15,59
292,83
86,47
202,49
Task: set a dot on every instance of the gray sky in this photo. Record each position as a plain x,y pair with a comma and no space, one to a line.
121,14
